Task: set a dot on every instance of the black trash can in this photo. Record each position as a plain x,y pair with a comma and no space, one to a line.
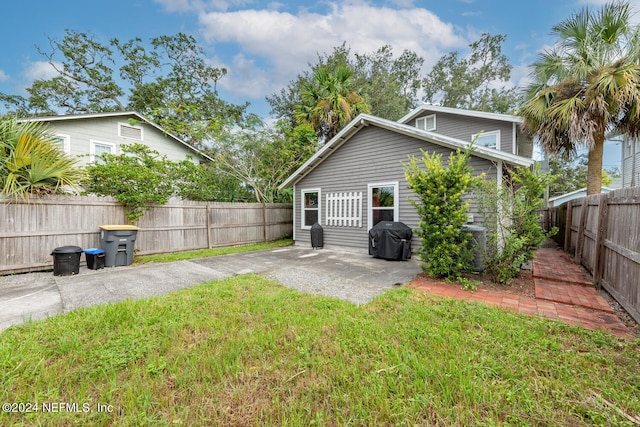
317,236
66,260
95,258
118,242
390,240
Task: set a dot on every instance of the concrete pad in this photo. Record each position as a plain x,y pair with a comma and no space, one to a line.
24,298
352,276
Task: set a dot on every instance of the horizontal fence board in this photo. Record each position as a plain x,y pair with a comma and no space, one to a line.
30,231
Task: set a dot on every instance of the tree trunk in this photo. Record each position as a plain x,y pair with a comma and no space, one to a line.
594,165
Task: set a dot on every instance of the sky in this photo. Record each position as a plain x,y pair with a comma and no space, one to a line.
266,44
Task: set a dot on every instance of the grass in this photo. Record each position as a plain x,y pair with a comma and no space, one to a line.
247,351
201,253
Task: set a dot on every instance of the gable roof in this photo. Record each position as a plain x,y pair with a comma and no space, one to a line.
134,114
460,112
364,120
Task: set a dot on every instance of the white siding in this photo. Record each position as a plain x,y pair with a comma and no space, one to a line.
82,131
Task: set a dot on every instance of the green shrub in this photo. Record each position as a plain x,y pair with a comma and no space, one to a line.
511,217
445,247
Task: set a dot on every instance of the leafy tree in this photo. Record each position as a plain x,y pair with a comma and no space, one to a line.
137,178
262,157
512,220
169,82
571,174
387,84
328,102
445,248
587,86
467,82
31,163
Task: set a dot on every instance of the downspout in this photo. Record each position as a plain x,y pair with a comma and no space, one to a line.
514,145
294,213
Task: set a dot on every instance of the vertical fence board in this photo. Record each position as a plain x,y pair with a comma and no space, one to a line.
603,233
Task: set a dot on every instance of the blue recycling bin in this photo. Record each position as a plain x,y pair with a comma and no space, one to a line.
95,258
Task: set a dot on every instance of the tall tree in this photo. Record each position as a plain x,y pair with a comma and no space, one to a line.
388,84
471,82
587,86
328,102
167,80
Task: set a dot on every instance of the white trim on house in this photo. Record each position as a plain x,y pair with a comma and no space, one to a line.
396,200
514,145
423,122
303,209
482,135
460,112
128,128
92,148
344,209
66,142
364,120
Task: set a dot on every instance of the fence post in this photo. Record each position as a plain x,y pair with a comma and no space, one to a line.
209,243
264,221
598,261
584,212
568,219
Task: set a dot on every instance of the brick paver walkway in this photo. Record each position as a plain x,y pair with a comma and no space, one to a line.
563,292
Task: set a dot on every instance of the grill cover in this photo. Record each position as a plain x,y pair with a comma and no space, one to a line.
390,240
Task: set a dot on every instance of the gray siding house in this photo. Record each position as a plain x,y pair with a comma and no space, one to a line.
498,131
357,179
89,135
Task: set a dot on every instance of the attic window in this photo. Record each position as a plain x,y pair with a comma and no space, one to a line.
426,122
487,139
130,132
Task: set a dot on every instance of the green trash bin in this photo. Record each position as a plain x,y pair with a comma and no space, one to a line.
118,242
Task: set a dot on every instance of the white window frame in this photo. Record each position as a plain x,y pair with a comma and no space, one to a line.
425,120
483,134
303,225
92,148
66,142
396,200
121,124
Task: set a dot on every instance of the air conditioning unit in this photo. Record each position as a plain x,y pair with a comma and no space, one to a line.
478,243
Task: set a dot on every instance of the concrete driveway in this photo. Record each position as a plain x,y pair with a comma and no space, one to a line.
351,276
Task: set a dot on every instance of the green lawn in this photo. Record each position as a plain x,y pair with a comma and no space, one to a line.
247,351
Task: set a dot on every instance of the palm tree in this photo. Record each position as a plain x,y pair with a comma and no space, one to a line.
587,86
329,103
31,163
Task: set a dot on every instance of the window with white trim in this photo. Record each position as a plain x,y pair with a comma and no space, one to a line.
310,207
96,148
63,142
426,122
344,209
383,202
130,132
487,139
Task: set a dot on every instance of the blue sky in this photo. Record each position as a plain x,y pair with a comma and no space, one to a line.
265,44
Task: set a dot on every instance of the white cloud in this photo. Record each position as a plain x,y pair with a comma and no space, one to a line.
287,42
4,76
40,70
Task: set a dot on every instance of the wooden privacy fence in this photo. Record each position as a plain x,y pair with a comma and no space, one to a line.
30,231
602,232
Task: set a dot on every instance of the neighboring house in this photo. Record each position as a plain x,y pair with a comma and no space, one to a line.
630,162
89,135
357,179
498,131
577,194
